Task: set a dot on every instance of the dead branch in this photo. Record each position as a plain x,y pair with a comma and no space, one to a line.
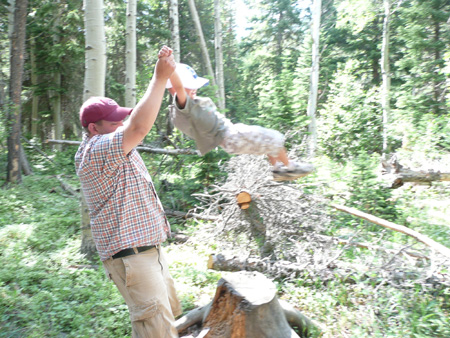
397,175
396,227
276,210
189,214
67,187
193,317
143,149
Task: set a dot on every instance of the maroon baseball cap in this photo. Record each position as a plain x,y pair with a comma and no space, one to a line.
102,108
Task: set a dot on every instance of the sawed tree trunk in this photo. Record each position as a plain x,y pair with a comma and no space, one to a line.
246,306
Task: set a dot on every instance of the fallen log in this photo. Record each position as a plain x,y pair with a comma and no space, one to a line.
396,227
245,306
394,173
144,149
281,269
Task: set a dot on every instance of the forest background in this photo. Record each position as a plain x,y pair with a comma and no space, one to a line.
394,286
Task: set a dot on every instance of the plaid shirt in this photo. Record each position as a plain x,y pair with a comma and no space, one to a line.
124,208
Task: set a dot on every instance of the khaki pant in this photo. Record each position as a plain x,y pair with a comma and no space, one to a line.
148,289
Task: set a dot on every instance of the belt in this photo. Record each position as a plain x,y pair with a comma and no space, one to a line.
132,251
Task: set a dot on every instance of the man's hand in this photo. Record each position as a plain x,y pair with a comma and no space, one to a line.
165,51
165,64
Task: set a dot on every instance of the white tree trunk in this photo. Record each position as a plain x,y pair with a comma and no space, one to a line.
385,71
219,54
203,47
312,102
175,29
94,85
130,59
95,61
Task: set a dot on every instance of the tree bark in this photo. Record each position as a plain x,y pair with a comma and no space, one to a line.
130,58
16,77
314,84
95,61
175,29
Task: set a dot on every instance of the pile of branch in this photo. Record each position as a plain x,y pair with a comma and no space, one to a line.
280,232
271,213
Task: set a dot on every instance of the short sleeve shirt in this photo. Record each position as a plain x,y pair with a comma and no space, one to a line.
124,208
201,121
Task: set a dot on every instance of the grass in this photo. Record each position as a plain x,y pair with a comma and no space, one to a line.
46,290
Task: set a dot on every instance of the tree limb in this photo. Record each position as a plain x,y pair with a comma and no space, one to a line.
394,172
142,148
396,227
189,214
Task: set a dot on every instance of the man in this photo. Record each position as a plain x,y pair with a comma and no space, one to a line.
127,219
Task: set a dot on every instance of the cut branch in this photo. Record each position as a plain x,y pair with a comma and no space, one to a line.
143,149
396,227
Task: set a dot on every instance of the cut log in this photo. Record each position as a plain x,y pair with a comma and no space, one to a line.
243,199
245,305
281,269
396,227
397,175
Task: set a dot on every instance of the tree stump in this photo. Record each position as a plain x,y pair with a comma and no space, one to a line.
245,305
